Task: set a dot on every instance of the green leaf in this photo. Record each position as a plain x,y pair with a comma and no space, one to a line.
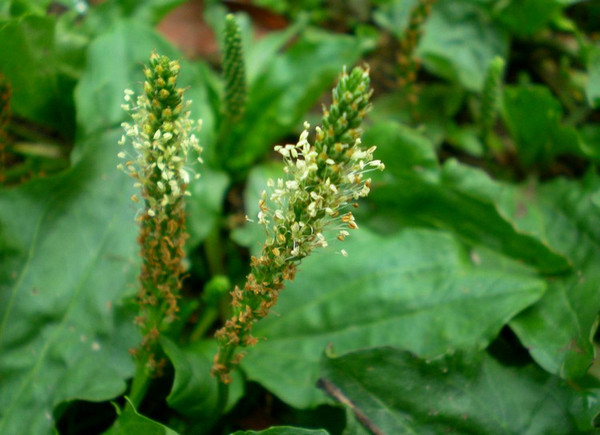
103,15
68,255
130,422
194,391
393,16
35,62
205,206
399,393
558,330
459,199
283,430
17,8
251,235
525,17
460,41
437,105
592,90
557,222
402,148
417,289
553,227
533,117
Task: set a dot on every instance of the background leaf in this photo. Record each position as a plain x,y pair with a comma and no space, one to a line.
194,391
400,393
525,17
564,213
130,422
592,90
68,258
38,63
205,207
533,117
459,42
459,198
417,289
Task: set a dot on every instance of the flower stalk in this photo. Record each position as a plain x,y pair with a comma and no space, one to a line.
303,209
162,135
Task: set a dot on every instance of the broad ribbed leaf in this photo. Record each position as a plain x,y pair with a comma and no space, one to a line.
558,330
130,422
463,200
417,289
558,218
396,392
194,392
68,256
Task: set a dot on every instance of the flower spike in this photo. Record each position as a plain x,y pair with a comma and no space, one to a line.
161,135
321,181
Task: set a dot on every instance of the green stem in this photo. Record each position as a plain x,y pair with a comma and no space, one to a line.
222,397
139,386
214,253
208,318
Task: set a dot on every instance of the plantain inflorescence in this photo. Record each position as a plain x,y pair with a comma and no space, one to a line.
234,72
303,208
490,97
162,135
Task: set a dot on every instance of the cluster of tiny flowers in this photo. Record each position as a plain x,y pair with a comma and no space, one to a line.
162,135
161,148
314,196
321,182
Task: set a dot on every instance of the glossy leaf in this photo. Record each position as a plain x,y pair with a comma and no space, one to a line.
565,214
417,289
68,258
130,422
250,235
194,391
459,199
398,393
